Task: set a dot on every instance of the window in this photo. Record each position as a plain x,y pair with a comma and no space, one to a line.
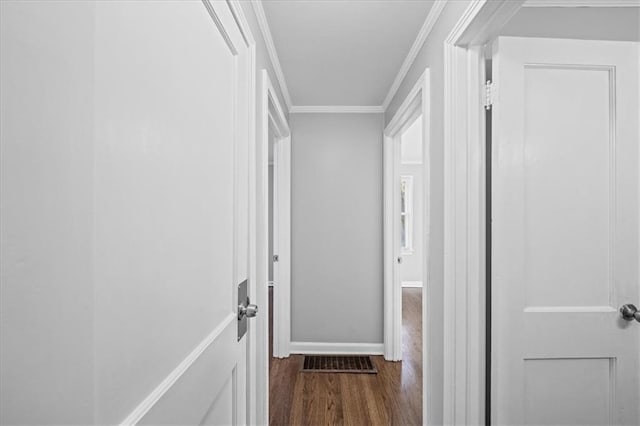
406,213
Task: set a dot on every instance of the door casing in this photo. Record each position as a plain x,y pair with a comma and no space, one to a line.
272,114
416,103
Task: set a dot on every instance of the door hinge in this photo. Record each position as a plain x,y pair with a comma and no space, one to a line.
276,258
490,91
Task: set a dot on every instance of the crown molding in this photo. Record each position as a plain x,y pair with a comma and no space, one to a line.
271,49
342,109
429,22
582,3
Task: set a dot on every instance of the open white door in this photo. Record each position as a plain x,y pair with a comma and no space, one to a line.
229,352
213,388
565,232
210,385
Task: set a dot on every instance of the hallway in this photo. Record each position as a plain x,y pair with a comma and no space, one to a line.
450,183
393,396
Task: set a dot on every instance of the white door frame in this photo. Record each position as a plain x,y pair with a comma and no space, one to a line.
464,210
272,114
417,102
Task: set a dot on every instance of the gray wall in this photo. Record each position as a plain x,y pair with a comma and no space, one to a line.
337,228
597,23
432,55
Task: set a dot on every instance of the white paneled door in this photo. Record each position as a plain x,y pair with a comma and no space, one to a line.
565,232
213,389
202,78
230,75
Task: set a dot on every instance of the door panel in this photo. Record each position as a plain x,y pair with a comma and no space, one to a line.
171,209
570,153
565,232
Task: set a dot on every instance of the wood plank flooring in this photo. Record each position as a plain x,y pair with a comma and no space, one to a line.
391,397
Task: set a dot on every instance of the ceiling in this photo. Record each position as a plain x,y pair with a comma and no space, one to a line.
586,23
343,52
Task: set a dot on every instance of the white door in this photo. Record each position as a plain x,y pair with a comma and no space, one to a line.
565,232
228,357
172,114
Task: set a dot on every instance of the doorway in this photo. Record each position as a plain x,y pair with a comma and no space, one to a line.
406,233
273,245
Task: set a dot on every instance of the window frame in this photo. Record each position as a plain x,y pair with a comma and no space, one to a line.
407,180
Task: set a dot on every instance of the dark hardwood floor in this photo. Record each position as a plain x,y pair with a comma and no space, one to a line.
391,397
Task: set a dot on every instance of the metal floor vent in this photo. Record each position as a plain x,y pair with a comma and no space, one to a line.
338,364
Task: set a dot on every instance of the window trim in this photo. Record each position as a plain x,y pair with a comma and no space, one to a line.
408,214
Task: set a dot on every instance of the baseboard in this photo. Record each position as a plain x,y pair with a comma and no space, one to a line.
322,348
411,283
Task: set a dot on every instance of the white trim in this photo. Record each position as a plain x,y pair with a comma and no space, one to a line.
282,247
340,109
582,3
464,204
271,283
271,49
147,404
412,284
270,113
408,214
323,348
425,30
241,20
411,162
417,102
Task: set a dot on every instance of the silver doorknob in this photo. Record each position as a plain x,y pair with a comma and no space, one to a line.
629,312
249,311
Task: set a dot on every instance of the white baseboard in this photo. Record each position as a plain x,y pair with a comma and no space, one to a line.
411,283
322,348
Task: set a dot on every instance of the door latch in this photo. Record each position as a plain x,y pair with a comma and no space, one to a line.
245,309
629,312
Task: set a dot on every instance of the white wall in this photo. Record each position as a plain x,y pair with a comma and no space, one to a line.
432,55
106,154
46,150
337,228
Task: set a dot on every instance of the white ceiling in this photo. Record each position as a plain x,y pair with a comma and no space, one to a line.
343,52
587,23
